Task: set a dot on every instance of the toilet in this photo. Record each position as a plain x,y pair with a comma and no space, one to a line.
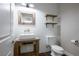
56,50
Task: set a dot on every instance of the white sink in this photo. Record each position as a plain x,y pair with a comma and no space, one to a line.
26,36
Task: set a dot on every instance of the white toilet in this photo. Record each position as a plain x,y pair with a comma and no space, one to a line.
55,49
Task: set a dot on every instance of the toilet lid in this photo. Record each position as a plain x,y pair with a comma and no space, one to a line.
56,47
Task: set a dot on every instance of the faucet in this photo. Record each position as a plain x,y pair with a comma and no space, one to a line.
27,30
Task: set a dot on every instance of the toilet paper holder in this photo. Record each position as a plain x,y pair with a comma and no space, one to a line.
76,42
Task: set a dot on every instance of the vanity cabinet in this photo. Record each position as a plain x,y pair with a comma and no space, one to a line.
19,43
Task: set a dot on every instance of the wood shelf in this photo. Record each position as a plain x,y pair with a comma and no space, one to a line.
48,22
48,15
51,23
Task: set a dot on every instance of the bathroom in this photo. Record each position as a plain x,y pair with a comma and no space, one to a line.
64,29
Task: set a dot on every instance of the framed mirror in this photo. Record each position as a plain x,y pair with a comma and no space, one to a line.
26,18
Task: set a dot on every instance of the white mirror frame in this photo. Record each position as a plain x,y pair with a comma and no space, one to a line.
25,22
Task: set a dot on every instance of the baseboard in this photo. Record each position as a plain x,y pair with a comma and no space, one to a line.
9,53
45,53
68,54
40,54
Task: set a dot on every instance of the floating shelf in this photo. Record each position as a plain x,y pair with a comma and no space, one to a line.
53,23
48,15
49,22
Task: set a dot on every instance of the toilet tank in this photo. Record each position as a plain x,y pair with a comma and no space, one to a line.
51,40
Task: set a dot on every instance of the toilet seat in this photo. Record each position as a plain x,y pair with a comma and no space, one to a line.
57,49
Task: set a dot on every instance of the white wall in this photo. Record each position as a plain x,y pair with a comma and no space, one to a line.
5,28
39,29
69,27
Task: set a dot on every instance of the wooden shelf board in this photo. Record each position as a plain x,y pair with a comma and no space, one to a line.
50,23
48,15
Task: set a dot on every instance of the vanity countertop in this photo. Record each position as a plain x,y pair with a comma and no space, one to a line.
30,39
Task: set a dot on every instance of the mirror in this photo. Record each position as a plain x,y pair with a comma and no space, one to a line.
26,18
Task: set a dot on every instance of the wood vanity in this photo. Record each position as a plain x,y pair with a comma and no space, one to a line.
19,43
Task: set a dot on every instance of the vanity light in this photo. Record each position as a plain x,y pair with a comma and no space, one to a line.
28,5
24,4
31,5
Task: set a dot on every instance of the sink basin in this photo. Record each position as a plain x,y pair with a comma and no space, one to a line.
26,36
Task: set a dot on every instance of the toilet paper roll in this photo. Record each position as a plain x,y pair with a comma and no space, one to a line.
74,41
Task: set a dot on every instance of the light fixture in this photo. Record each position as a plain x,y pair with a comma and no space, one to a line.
31,5
24,4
